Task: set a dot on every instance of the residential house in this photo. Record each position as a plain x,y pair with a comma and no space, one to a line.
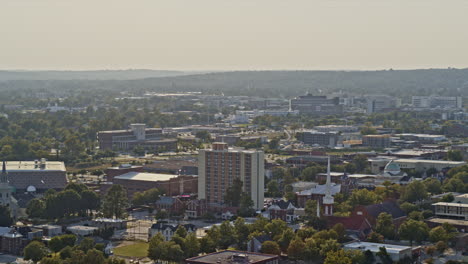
168,230
195,208
172,205
255,244
281,209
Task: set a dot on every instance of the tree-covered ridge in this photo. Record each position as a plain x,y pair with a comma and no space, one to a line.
283,83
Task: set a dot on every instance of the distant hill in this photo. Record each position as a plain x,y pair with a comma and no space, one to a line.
292,83
263,83
87,75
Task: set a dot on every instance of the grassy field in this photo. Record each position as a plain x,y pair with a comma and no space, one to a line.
139,250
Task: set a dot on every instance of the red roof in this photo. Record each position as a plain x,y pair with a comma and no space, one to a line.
350,223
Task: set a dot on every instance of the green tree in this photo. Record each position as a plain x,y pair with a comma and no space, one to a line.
360,162
51,260
35,208
181,231
375,237
94,256
161,214
408,207
437,234
340,230
430,250
271,247
363,197
204,135
35,251
441,246
433,185
273,189
246,206
226,235
448,198
155,247
337,257
233,193
55,244
115,202
384,256
285,239
90,200
241,231
310,173
385,225
296,249
414,192
328,245
311,249
66,252
455,155
5,216
192,245
276,228
207,245
413,230
86,244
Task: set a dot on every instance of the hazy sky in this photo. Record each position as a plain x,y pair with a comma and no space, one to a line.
233,34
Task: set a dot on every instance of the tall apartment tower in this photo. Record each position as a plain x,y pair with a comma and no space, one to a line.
219,166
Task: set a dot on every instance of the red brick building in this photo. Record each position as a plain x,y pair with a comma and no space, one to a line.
171,184
371,212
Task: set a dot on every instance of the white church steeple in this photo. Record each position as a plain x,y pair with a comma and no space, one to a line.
328,199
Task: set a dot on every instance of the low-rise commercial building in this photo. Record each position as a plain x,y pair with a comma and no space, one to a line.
396,252
171,184
451,210
326,139
137,136
316,105
40,174
437,101
376,141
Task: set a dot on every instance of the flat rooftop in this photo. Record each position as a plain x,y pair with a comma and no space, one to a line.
374,247
449,221
460,163
452,204
143,176
24,166
224,257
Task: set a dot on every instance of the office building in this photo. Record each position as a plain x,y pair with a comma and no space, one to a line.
376,141
451,210
219,166
317,105
437,101
137,136
326,139
40,174
382,103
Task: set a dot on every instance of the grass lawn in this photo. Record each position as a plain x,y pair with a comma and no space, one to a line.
139,250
